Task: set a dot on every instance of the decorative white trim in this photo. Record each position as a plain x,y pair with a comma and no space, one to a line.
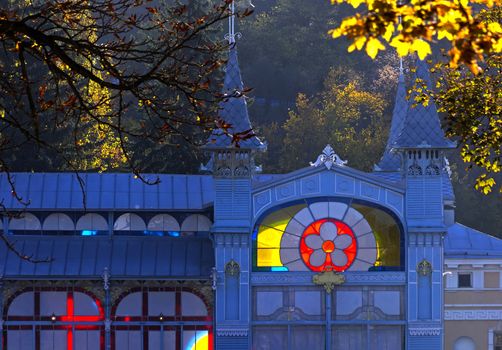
106,279
472,315
232,332
490,339
424,331
329,158
455,262
472,305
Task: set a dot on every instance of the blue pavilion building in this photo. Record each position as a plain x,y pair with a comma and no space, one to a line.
325,257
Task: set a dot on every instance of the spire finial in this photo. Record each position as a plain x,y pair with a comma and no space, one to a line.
232,35
231,24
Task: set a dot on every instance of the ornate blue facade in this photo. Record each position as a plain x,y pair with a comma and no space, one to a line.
326,256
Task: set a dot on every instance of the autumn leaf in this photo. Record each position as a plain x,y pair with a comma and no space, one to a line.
422,48
373,46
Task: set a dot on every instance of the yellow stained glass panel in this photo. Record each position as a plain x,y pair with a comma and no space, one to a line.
270,231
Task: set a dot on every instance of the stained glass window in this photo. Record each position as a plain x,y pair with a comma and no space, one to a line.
161,318
327,235
63,319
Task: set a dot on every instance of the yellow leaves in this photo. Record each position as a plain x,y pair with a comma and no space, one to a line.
389,31
485,183
495,27
464,3
421,47
357,44
402,47
443,33
2,113
355,3
373,46
420,24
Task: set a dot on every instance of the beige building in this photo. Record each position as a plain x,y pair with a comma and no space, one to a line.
473,290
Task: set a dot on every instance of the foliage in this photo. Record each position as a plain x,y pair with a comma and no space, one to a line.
412,25
473,108
298,62
471,205
344,115
87,80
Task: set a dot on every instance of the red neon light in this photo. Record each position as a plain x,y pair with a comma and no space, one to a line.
70,317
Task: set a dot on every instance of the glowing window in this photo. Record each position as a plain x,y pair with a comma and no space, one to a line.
327,235
163,309
88,233
63,319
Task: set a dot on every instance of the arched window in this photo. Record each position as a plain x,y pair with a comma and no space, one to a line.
196,223
26,223
464,343
163,224
92,224
58,223
62,319
129,224
161,318
320,235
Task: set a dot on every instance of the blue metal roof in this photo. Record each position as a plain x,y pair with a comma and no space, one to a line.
233,110
421,127
465,242
391,161
108,191
125,257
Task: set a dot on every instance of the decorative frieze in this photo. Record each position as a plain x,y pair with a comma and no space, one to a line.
232,332
231,239
233,163
305,278
472,315
424,331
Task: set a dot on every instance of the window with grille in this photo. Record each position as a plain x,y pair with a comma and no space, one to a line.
56,319
465,280
162,319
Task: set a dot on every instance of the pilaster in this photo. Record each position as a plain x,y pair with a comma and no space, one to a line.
108,323
425,285
232,291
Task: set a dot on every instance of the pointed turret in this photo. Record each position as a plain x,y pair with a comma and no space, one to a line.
421,144
421,127
233,112
391,161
